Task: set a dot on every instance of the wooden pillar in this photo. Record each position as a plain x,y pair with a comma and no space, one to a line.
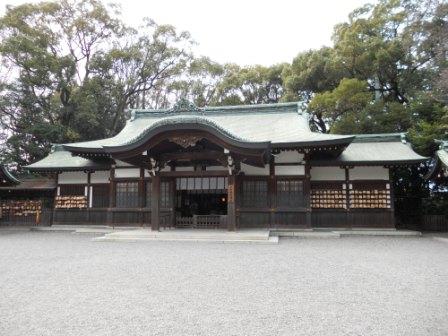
112,195
392,199
155,203
348,216
141,195
231,206
272,192
89,194
307,190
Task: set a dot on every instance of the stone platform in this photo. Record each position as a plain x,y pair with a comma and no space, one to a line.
192,235
255,236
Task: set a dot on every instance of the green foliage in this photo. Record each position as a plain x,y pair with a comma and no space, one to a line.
77,70
312,72
250,85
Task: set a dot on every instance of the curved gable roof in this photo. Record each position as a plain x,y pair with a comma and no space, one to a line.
279,124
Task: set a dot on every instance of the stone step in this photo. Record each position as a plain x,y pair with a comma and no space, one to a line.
82,228
74,227
380,233
108,238
189,235
310,235
176,235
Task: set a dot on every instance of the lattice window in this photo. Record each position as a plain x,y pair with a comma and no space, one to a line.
254,193
290,193
328,196
370,196
127,195
201,183
100,195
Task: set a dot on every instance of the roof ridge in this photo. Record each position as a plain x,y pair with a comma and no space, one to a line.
381,137
189,108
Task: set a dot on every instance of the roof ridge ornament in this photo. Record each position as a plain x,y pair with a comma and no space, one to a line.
184,105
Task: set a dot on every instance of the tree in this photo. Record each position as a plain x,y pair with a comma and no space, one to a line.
312,72
75,69
250,85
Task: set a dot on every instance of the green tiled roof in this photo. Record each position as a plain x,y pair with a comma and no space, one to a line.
376,149
59,159
281,125
278,124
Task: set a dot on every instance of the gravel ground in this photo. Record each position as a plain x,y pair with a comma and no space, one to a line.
63,284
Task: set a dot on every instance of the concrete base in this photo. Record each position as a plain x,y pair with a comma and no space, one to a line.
81,228
380,233
256,236
338,233
216,236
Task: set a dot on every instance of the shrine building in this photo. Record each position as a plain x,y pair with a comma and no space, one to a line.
228,167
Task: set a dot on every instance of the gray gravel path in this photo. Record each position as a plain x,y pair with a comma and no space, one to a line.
63,284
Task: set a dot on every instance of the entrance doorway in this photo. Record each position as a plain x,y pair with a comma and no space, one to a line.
201,202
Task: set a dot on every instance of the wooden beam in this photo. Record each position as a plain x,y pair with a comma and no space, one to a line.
191,156
197,173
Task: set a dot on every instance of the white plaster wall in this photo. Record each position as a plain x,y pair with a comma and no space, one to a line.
251,170
100,177
327,174
288,157
72,178
215,168
127,172
289,170
185,169
369,173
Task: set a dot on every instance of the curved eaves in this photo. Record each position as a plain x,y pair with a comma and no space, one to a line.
184,123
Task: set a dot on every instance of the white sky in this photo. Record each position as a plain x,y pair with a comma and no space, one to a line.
244,31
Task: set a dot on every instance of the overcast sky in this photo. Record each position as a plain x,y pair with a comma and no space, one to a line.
245,31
